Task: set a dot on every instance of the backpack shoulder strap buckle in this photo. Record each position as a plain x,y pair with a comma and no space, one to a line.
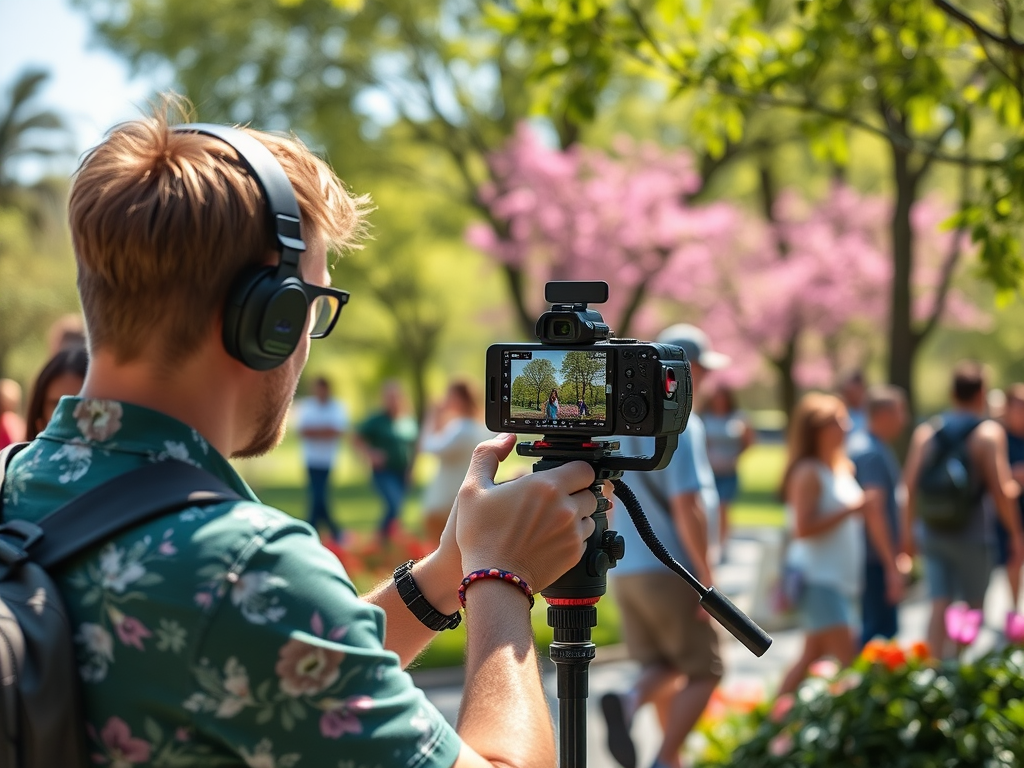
12,554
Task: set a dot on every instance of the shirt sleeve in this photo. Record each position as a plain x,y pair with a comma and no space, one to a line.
438,441
293,665
681,474
870,470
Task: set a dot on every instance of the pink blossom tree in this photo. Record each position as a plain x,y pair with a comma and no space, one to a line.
584,214
805,289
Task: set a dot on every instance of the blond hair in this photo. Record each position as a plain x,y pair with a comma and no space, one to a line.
814,411
163,222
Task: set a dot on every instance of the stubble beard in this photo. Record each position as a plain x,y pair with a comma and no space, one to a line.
272,416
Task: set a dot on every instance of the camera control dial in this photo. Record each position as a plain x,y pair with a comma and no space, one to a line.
633,408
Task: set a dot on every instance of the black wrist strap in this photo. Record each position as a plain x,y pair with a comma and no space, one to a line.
428,615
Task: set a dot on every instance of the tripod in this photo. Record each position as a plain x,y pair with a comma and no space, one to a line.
572,599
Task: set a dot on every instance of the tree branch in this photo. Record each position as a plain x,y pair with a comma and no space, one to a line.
979,29
687,78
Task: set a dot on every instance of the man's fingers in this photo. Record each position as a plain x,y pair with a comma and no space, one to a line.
575,474
487,456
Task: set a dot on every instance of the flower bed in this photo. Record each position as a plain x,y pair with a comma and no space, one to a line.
893,707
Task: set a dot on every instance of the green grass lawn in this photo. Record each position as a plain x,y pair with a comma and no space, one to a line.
278,480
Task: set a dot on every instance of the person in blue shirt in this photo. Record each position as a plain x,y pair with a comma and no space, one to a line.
878,472
551,409
663,625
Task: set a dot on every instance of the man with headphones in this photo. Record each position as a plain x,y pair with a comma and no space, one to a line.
225,634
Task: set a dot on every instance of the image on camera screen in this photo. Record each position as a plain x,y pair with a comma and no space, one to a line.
557,388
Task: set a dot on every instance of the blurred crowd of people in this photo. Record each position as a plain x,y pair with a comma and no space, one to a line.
389,441
859,516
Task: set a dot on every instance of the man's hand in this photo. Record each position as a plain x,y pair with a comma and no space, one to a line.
378,459
895,585
534,526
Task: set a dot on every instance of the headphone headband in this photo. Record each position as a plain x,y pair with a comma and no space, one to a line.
282,208
267,309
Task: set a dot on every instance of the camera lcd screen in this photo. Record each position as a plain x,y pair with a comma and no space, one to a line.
555,389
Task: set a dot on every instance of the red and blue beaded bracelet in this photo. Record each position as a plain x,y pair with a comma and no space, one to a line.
494,573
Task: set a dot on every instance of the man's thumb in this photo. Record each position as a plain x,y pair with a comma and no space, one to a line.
487,456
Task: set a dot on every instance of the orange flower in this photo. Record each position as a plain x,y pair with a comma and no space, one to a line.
920,651
873,651
893,657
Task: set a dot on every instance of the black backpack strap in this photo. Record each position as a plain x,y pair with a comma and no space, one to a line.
123,502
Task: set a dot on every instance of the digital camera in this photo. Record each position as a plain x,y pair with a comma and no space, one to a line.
580,382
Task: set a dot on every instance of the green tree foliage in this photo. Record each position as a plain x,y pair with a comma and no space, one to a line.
357,79
901,70
538,377
29,131
583,373
36,287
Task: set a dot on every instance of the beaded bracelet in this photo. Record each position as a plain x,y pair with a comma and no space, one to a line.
494,573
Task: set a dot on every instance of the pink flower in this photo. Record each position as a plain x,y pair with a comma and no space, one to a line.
167,548
131,631
781,707
122,750
962,623
1015,627
204,599
781,744
342,718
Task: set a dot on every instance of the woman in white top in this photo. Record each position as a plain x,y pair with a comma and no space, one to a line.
825,503
452,432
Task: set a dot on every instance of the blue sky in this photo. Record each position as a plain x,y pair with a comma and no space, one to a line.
90,86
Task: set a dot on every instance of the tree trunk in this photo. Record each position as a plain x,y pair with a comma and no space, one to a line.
785,363
903,343
784,368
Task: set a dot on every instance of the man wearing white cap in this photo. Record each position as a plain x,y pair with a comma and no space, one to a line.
663,625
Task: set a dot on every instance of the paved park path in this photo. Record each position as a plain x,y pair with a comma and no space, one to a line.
737,578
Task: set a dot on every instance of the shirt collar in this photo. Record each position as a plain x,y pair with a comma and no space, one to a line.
119,427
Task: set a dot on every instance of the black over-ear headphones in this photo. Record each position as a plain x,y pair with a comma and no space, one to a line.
267,310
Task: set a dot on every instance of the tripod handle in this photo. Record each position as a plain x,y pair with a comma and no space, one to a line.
737,622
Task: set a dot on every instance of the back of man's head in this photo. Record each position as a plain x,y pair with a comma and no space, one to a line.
164,221
883,398
968,382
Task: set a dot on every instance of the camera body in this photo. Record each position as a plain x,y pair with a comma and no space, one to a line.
611,387
579,382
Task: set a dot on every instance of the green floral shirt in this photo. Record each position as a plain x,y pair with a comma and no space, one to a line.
221,635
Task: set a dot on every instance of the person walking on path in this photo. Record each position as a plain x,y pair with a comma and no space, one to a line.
387,439
958,563
1013,422
322,421
226,634
824,504
452,434
664,627
878,472
729,435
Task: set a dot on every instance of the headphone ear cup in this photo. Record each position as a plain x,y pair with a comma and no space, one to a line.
264,318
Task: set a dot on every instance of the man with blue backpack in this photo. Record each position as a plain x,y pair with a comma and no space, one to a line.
958,478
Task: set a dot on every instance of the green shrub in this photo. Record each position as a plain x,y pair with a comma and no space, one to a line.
890,711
